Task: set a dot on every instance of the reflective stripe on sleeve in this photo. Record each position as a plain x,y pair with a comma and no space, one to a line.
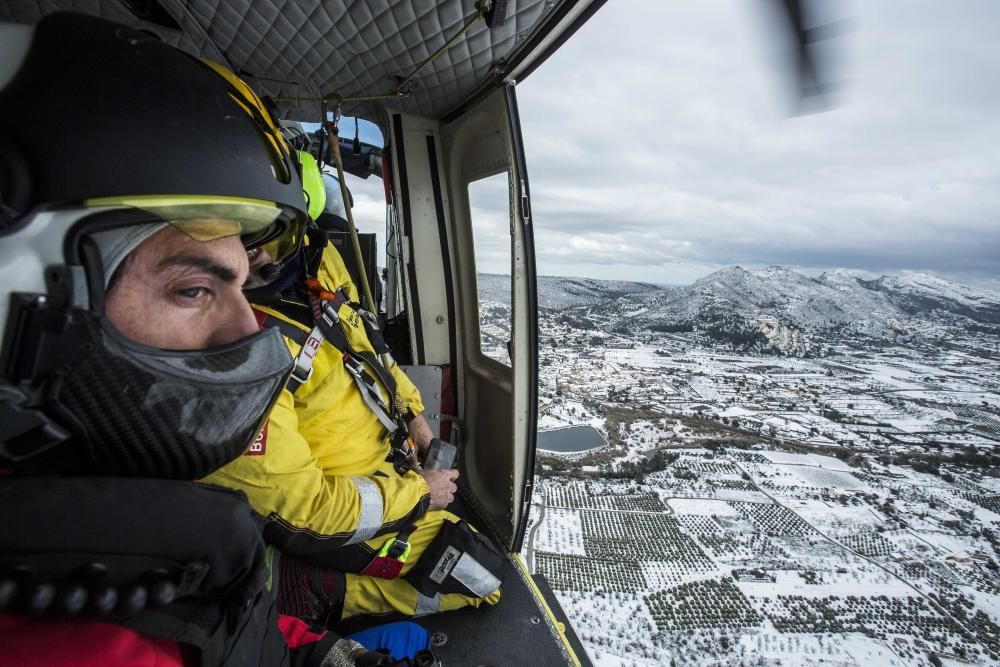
427,605
370,519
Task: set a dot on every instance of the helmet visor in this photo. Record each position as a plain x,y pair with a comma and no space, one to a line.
258,223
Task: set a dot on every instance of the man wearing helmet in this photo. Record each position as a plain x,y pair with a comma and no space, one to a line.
329,473
132,363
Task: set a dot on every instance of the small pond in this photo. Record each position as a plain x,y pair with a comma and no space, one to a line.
571,439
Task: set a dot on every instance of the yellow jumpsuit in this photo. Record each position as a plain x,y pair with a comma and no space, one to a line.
319,474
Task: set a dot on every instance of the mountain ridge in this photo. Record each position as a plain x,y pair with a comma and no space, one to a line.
774,307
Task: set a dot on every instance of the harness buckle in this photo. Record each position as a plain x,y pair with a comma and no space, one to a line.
399,549
297,374
400,459
369,316
390,559
329,311
352,364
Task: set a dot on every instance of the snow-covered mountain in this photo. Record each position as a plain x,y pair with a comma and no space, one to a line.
838,297
555,292
918,293
775,292
774,309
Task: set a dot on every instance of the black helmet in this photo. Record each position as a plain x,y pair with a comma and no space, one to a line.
127,120
103,126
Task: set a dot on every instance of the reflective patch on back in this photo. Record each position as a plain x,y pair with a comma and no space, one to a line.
471,574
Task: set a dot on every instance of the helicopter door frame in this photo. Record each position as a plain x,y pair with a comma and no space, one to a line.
433,165
420,241
525,308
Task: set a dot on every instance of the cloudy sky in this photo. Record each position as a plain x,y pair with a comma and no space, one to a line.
663,144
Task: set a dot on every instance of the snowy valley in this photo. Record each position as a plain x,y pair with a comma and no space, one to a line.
794,470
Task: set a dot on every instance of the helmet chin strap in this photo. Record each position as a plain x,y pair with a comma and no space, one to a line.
272,271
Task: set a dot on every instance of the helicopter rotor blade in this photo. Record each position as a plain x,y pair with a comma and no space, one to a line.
805,65
810,70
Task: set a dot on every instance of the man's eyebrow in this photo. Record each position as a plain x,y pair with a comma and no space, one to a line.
219,270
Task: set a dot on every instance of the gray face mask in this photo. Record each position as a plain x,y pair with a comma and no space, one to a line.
127,409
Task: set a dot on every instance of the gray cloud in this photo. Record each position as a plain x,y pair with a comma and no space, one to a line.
659,145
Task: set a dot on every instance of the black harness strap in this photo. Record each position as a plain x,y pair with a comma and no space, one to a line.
365,367
287,329
302,371
327,319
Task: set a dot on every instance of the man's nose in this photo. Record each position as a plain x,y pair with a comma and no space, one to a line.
238,323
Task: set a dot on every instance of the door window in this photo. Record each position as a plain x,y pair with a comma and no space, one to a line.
489,205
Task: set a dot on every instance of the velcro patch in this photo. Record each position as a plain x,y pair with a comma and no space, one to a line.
471,574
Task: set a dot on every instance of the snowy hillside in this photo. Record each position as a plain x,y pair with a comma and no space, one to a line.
773,310
837,297
560,292
919,292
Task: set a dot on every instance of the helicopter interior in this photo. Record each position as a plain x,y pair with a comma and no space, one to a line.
438,79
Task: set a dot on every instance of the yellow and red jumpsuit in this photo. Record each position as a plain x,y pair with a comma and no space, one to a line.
319,474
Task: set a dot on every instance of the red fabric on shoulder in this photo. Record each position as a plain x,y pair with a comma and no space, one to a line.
53,643
297,633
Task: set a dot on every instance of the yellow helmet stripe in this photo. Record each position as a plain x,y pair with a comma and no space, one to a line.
253,105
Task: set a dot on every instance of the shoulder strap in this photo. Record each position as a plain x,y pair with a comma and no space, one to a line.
325,314
287,329
308,341
401,445
365,368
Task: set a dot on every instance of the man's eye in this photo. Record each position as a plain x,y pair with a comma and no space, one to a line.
192,292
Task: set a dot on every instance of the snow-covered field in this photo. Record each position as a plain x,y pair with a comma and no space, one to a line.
753,509
642,568
702,507
821,477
